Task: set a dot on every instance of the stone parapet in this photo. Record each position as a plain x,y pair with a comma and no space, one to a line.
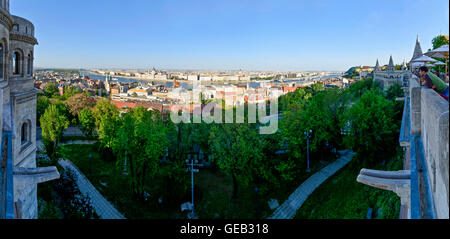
429,114
415,101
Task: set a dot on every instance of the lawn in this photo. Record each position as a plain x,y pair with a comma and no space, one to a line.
342,197
217,188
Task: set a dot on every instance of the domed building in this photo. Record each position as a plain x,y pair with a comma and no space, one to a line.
18,173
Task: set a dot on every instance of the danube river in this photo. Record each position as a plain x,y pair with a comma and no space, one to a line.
188,85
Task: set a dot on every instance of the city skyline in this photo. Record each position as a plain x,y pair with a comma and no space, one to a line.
247,35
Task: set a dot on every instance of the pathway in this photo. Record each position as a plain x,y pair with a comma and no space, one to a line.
289,208
40,144
103,208
72,142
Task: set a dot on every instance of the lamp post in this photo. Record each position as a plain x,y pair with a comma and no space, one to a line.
191,163
308,137
125,172
90,165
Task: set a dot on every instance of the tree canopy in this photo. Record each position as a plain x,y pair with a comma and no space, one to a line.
141,141
373,130
439,41
236,148
78,102
53,124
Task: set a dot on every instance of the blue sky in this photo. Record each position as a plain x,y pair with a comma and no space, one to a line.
231,34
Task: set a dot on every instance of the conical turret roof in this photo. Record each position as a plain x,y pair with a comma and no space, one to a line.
417,50
391,66
377,66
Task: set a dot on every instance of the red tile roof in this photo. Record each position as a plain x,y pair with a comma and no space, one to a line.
122,105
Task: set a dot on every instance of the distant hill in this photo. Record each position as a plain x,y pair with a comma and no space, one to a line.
68,71
350,71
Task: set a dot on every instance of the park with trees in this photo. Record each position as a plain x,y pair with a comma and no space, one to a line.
139,159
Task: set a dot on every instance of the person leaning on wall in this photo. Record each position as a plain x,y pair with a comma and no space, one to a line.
432,81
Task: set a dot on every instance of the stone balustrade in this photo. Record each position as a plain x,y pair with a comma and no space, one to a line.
429,131
424,135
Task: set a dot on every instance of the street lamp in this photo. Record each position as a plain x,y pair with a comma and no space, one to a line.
90,165
308,137
191,163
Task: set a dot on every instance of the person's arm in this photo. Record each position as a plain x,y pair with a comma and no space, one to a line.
428,82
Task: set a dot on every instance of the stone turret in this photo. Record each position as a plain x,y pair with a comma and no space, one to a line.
4,5
18,181
377,67
22,45
417,50
391,66
23,117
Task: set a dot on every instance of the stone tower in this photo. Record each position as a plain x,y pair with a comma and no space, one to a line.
18,185
417,50
377,67
391,66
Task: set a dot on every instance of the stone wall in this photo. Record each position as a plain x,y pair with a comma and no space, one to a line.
387,79
24,155
430,120
22,26
18,110
434,133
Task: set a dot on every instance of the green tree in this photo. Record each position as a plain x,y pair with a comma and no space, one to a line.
53,124
51,90
236,149
141,141
322,115
317,87
394,92
373,129
107,122
87,121
439,41
200,137
295,100
70,91
62,108
42,104
274,168
77,103
292,125
360,87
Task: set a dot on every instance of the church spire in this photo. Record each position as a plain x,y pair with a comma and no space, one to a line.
417,50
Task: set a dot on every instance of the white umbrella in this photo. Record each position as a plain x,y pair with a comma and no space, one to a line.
439,63
441,52
424,59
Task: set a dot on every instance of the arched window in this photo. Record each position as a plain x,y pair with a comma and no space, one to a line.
29,65
25,133
2,52
16,63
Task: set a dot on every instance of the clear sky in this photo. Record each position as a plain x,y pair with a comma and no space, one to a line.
230,34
